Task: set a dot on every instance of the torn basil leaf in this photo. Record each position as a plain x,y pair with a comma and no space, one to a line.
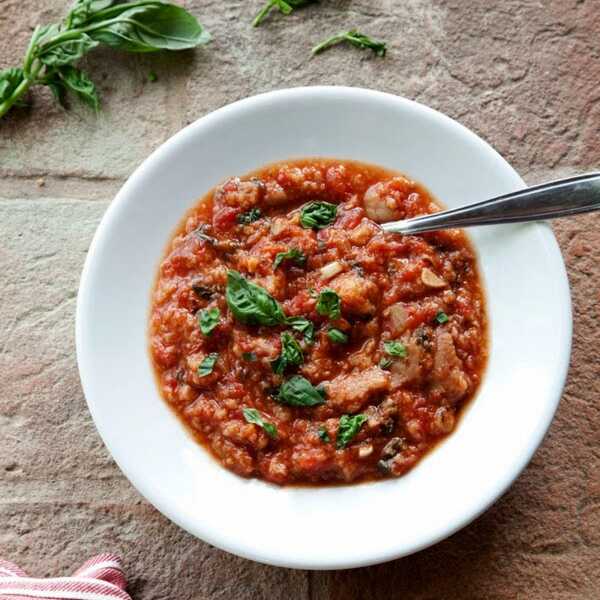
291,354
337,336
206,366
293,254
253,416
348,427
208,319
298,391
249,216
385,363
395,348
323,435
303,326
441,317
317,215
328,304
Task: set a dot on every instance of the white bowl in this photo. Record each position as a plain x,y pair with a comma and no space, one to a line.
344,526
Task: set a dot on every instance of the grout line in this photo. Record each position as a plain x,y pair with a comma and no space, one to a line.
55,199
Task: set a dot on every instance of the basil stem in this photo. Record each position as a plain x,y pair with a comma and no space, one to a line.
357,39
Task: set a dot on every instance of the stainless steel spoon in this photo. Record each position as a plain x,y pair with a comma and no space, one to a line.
560,198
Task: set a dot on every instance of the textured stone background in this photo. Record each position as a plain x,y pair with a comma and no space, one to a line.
523,74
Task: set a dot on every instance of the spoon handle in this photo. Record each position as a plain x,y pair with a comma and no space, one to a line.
546,201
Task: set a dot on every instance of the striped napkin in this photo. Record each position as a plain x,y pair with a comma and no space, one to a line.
100,578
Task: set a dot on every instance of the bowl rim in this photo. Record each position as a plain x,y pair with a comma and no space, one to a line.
245,550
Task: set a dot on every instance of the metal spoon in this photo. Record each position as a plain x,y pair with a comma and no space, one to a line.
560,198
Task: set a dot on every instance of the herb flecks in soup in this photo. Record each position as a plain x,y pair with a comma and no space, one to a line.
302,344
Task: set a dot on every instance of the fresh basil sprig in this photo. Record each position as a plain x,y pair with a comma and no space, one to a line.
293,254
291,354
317,215
298,391
357,39
285,7
208,319
348,427
250,303
328,304
137,26
253,416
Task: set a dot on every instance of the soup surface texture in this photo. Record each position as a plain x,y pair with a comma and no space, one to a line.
300,343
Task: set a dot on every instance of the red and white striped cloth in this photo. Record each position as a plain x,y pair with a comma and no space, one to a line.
100,578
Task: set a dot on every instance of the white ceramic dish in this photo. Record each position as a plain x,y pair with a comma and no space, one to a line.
336,527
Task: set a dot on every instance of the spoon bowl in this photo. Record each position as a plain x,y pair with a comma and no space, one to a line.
561,198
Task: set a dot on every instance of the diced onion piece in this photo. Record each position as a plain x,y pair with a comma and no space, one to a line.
331,270
398,316
278,226
430,279
364,451
361,234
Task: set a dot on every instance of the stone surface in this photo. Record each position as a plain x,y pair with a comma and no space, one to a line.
522,74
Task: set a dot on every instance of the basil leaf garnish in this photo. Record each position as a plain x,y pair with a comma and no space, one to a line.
253,416
291,354
318,215
298,391
303,326
348,427
250,303
294,255
395,348
206,366
208,319
249,216
441,317
337,336
385,363
323,435
328,304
